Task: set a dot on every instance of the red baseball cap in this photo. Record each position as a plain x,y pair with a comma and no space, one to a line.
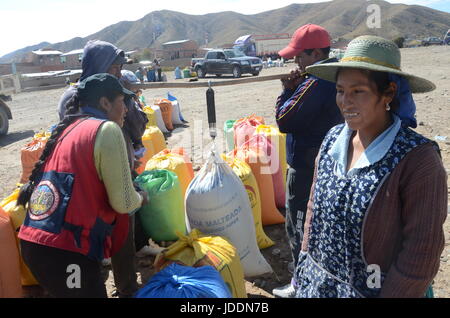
309,36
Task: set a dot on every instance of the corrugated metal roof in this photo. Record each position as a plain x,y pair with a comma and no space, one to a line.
39,52
176,42
73,52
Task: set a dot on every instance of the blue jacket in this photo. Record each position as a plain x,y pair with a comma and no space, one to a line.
306,115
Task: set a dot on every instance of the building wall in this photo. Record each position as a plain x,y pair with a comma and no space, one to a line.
72,62
180,50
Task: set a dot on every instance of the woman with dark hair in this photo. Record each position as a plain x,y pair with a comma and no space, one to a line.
78,191
374,226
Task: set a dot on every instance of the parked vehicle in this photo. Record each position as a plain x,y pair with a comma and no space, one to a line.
8,84
227,61
262,45
432,41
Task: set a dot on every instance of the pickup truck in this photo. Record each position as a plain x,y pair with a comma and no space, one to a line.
8,84
227,61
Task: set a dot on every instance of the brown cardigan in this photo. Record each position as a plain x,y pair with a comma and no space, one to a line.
403,230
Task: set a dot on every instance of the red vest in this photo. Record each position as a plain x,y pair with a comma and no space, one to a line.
69,208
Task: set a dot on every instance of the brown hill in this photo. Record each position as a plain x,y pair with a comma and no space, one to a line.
344,19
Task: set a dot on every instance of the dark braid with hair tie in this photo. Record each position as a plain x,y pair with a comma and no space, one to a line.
71,115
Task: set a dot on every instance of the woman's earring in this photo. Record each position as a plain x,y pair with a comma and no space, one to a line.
388,107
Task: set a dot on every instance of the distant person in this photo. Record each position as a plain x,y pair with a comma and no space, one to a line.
140,74
77,192
158,69
151,75
305,111
378,202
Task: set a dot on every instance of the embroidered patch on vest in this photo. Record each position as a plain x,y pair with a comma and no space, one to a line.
44,201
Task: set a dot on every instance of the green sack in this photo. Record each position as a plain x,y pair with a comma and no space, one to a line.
164,215
229,134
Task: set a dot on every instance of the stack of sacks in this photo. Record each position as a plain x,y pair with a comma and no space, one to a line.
174,101
164,216
244,129
178,281
259,163
159,119
217,204
243,171
9,260
17,216
197,249
166,111
174,162
31,153
151,116
278,140
262,142
228,131
154,142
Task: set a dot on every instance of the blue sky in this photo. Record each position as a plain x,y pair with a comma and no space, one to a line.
35,21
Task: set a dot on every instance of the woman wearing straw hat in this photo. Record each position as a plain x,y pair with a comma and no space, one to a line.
379,197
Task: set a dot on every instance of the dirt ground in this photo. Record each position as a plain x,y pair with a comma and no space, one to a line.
34,111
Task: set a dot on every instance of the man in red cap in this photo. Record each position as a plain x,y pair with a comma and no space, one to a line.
305,111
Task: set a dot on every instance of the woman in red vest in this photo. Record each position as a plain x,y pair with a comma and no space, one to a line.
79,193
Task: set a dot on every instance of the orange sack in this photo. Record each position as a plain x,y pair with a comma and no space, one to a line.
166,110
29,155
10,281
259,163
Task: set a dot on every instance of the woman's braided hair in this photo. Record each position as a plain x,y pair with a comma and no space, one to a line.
26,190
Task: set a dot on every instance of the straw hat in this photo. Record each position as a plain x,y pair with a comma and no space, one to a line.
371,53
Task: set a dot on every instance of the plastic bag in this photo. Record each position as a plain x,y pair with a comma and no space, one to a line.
178,281
172,162
244,129
151,116
164,215
166,111
154,142
243,171
229,134
259,163
17,215
217,204
197,249
10,286
159,119
261,141
173,99
31,153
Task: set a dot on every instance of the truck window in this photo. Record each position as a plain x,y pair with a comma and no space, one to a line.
220,56
211,56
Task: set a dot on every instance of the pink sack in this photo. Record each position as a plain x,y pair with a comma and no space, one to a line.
244,129
263,143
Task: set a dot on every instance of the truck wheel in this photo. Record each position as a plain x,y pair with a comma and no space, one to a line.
200,73
236,72
255,73
218,75
4,124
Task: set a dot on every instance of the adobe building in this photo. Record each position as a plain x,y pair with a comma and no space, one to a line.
72,60
180,49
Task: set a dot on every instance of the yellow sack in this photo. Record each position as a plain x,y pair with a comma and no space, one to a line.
17,216
244,172
151,116
197,249
278,140
172,162
153,141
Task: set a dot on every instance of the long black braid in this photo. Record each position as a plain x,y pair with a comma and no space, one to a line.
73,107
